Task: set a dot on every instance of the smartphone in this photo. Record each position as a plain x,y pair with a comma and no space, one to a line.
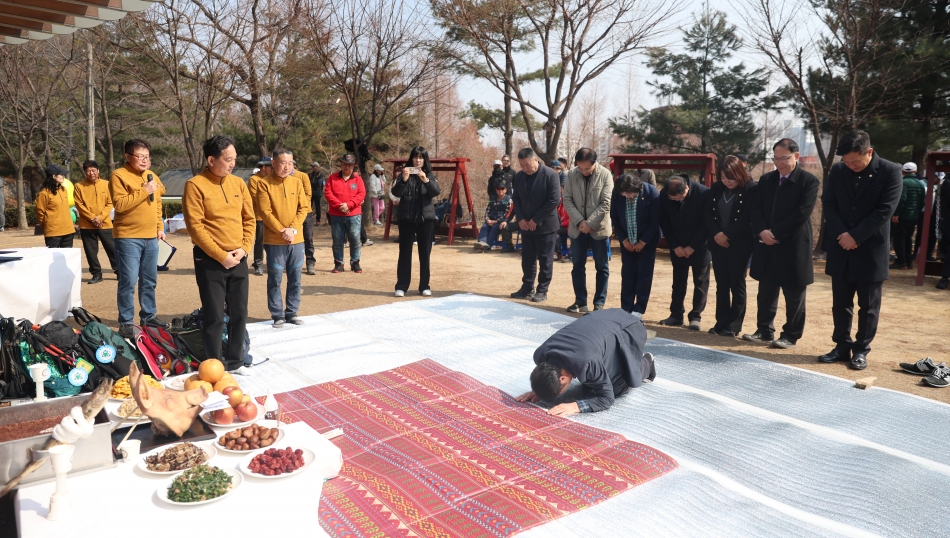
413,170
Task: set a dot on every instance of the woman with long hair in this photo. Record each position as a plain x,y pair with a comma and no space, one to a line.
52,210
416,186
728,219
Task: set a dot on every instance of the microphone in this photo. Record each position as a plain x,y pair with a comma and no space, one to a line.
151,197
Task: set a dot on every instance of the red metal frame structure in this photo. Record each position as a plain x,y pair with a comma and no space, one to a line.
456,165
665,161
923,266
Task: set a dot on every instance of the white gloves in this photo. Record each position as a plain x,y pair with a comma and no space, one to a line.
73,427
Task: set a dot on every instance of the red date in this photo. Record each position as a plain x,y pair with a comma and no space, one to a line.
276,461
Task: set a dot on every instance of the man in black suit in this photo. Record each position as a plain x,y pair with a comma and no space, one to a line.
781,256
682,207
537,193
862,193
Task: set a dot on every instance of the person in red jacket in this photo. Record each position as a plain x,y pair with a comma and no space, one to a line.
565,221
345,193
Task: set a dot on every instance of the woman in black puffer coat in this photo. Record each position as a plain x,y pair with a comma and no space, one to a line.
416,216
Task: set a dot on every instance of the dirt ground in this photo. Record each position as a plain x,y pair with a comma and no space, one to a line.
913,324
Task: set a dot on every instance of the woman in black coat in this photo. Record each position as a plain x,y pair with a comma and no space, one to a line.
416,187
728,215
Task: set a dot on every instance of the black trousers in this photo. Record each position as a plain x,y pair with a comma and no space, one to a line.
729,267
308,238
537,258
931,237
422,233
767,300
904,242
842,310
59,241
636,278
699,263
946,260
315,207
90,245
259,245
217,286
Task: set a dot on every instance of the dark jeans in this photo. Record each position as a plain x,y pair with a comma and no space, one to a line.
767,302
422,233
489,234
59,241
699,263
562,238
90,244
259,245
137,262
537,258
579,248
842,310
218,286
282,258
346,228
729,267
903,242
308,238
636,278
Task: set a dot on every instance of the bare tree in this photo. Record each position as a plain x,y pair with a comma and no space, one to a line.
577,40
840,77
32,90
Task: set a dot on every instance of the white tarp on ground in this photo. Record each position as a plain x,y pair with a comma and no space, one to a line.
764,449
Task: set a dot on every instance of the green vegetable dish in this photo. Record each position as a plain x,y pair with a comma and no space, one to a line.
199,483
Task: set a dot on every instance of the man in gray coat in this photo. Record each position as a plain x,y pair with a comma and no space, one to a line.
587,193
603,351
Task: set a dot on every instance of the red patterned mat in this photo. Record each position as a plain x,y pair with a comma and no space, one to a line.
429,451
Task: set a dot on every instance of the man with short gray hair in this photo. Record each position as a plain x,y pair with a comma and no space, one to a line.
537,193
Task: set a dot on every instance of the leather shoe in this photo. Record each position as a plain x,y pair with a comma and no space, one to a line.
722,332
859,361
835,355
522,294
942,285
672,322
539,297
95,279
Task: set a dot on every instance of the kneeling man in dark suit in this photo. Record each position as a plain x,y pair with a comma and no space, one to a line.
603,350
862,193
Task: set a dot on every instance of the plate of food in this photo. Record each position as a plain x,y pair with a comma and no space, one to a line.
128,409
176,458
176,382
202,484
244,414
121,390
250,438
277,462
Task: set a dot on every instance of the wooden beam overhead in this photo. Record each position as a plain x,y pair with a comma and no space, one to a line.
22,20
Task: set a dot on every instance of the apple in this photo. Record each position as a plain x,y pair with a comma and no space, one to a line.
223,416
227,390
235,396
246,399
246,412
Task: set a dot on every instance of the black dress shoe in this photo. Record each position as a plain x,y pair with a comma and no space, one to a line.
522,294
835,355
672,322
539,297
859,361
95,279
723,332
942,285
758,336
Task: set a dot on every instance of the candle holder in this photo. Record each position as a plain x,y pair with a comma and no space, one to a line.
61,457
40,373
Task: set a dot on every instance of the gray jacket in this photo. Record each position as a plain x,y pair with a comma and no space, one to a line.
589,199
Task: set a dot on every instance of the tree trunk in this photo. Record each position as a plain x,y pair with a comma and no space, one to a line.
509,131
20,201
257,118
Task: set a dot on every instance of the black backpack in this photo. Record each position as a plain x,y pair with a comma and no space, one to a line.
14,383
107,350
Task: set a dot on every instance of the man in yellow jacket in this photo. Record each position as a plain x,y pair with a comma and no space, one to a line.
137,196
220,220
94,205
284,206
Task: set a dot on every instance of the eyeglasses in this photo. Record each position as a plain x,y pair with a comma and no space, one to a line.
784,159
140,156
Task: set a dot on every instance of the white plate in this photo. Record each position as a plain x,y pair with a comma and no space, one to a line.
211,451
206,416
308,458
280,435
162,491
176,382
118,418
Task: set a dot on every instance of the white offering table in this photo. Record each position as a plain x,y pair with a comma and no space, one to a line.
123,502
43,286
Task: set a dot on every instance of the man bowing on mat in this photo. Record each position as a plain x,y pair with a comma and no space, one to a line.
602,350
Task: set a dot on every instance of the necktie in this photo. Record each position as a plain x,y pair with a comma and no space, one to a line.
781,180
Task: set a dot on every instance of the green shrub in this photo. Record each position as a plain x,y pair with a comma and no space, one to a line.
171,208
11,215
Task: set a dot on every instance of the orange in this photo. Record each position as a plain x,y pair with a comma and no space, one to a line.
220,385
211,370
